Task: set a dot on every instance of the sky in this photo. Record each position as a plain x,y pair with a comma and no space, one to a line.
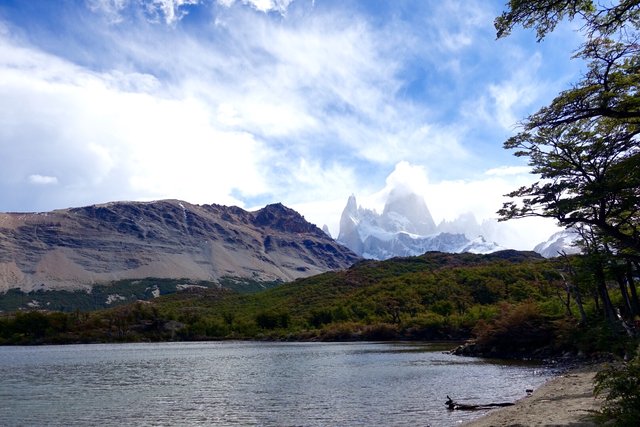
252,102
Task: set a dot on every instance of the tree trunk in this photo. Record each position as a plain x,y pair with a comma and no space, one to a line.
577,296
635,304
622,283
596,299
573,286
609,312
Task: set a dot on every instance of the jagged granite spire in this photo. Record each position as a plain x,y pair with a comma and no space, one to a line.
349,235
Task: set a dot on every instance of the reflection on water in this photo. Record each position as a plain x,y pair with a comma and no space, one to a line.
249,383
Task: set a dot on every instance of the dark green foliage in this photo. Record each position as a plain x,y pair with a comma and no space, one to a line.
519,331
597,335
118,293
246,285
584,145
272,319
319,317
434,296
621,385
510,301
543,15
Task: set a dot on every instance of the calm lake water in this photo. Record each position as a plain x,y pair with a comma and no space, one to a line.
249,383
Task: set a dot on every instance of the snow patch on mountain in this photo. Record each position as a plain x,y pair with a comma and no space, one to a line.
562,242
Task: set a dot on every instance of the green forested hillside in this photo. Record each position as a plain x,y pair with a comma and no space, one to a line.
118,293
431,297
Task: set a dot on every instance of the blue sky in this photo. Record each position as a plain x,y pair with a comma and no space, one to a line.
250,102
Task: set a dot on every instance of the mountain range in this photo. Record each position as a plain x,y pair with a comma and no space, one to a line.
77,248
406,228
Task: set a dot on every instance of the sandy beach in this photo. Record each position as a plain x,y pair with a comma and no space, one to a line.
565,400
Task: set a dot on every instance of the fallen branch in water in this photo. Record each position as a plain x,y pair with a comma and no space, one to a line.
451,405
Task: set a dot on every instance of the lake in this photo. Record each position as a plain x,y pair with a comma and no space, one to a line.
250,383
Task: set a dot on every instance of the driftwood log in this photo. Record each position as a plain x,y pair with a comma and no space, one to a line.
451,405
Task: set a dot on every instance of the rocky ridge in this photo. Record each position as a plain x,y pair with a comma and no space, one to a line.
79,247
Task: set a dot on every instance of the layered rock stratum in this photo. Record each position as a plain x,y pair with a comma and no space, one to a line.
79,247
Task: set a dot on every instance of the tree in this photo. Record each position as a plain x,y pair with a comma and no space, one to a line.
590,175
610,86
585,144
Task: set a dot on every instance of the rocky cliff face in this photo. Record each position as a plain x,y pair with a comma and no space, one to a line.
76,248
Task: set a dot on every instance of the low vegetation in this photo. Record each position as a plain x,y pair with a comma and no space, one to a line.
118,293
621,386
515,305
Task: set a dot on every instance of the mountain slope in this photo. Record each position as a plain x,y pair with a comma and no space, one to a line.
77,248
562,242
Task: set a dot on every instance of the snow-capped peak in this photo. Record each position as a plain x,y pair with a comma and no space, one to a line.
562,242
405,228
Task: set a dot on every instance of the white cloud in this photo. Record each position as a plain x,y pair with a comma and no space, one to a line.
329,81
506,102
454,35
111,9
169,11
279,6
508,170
42,179
96,130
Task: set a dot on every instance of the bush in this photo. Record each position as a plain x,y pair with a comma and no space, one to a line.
621,385
272,319
599,336
320,317
519,330
379,332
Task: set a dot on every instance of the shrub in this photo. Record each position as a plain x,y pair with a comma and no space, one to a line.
379,331
320,317
341,331
621,385
518,330
272,319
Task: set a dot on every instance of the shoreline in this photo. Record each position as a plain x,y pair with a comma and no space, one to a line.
565,400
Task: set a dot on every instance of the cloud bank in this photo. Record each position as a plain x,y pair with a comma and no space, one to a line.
249,102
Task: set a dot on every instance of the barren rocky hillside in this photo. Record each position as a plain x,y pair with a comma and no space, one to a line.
77,248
